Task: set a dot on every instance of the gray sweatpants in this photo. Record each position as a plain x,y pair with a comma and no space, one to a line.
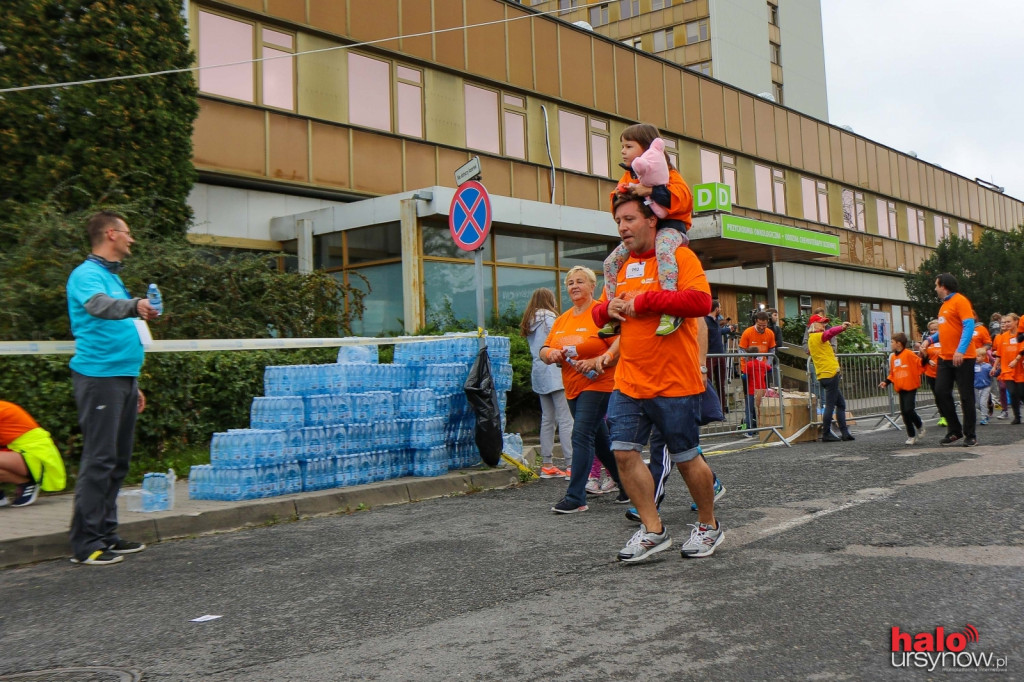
107,410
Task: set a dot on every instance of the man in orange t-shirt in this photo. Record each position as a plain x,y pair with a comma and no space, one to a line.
956,364
658,382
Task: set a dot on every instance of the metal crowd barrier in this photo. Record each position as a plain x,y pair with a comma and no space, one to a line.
746,416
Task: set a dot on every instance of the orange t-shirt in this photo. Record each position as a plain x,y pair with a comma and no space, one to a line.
1004,347
931,367
979,339
681,207
651,365
905,370
15,422
952,314
1018,371
580,332
762,341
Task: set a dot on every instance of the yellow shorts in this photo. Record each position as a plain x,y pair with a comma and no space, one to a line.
42,459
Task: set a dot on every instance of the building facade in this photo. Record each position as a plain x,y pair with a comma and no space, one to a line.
755,45
332,131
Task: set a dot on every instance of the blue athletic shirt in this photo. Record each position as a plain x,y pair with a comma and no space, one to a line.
103,348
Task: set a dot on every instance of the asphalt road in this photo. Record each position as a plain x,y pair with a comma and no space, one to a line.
827,548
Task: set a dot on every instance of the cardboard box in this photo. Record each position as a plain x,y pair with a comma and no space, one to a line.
797,414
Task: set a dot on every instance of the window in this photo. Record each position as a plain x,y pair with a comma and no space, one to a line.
915,225
775,53
664,40
660,4
482,119
837,309
223,40
777,92
696,31
770,184
628,8
773,14
886,218
965,230
568,4
514,118
671,150
941,228
715,167
635,43
854,217
599,15
701,67
371,90
815,199
579,140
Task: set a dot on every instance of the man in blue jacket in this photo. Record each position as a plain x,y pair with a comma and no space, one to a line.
109,329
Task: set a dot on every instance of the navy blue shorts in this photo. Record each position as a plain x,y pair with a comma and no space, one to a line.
630,421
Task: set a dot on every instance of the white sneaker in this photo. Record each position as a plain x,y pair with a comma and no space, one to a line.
1002,415
608,484
593,486
912,440
921,431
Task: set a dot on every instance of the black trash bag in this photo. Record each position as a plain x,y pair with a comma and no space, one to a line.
710,406
483,398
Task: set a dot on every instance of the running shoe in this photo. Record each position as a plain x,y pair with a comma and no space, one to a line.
126,547
551,472
608,485
668,324
719,493
942,422
564,506
921,431
623,498
644,544
567,474
27,494
703,541
951,438
1002,415
593,486
3,499
609,330
100,557
911,441
983,421
632,515
970,442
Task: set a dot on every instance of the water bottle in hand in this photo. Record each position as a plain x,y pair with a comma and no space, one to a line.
590,374
155,299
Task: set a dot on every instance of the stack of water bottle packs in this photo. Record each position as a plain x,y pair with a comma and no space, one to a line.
353,422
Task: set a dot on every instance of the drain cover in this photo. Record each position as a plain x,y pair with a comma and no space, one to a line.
89,674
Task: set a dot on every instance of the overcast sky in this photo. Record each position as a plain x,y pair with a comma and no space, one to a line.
943,78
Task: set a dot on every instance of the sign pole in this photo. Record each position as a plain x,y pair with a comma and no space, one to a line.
478,262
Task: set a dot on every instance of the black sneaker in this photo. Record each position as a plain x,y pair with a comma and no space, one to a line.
632,515
100,557
564,506
847,436
623,498
970,442
951,438
3,499
126,547
829,438
27,494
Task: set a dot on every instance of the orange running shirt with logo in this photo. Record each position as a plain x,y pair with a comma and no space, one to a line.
15,422
1003,347
762,341
932,365
905,370
650,365
952,313
579,332
979,339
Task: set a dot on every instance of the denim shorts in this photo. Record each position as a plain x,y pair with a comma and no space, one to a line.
630,421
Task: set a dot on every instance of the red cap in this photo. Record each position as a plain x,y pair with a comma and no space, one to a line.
817,318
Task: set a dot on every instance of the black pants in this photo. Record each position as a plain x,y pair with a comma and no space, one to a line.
1016,391
834,402
908,404
946,376
107,410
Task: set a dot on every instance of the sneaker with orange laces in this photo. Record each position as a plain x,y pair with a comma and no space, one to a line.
551,471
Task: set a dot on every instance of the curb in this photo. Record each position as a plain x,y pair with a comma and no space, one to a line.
249,513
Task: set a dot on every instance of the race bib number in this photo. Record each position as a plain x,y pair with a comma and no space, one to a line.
634,270
897,363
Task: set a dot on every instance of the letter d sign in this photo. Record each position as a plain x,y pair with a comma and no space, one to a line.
713,196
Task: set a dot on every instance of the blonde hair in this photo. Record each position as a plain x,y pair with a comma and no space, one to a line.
587,273
542,299
931,322
982,354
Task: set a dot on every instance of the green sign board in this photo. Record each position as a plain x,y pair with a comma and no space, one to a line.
770,234
712,196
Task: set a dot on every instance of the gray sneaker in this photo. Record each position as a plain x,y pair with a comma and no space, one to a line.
703,541
643,544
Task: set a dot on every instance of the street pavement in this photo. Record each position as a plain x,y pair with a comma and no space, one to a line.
828,547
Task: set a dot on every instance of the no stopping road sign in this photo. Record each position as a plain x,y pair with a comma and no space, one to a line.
469,216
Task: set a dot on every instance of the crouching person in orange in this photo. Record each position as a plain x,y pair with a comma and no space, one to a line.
28,457
905,377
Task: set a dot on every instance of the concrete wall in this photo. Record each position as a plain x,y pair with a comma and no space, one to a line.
803,57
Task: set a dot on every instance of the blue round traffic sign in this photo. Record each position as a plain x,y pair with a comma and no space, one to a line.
469,216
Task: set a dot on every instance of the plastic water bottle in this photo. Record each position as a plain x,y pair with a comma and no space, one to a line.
590,374
155,299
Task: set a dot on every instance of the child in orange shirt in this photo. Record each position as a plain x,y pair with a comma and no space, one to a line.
905,377
650,174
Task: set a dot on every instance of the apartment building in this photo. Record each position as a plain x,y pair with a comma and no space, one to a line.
332,130
756,45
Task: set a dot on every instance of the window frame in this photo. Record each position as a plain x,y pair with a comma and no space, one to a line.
702,31
667,37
